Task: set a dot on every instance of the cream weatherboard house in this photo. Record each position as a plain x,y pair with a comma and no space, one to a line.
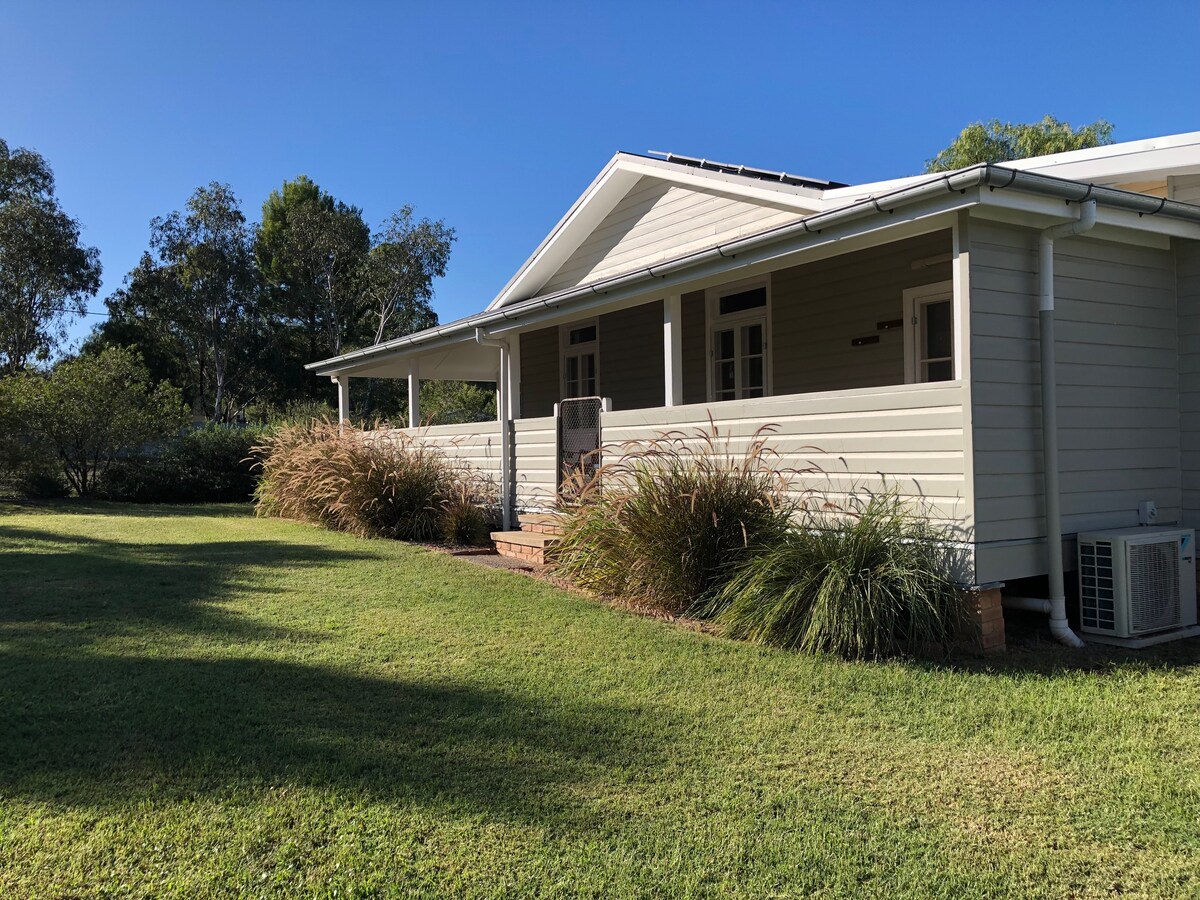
901,328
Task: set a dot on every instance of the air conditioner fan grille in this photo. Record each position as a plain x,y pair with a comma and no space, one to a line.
1154,586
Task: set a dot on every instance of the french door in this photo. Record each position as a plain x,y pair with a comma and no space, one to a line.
740,360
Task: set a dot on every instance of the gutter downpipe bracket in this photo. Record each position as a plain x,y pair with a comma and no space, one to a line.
503,405
1056,605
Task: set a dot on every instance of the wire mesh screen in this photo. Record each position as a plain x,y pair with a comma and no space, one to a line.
578,444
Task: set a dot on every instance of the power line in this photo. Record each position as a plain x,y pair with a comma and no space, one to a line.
75,312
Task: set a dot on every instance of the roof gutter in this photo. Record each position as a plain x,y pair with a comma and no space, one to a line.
983,175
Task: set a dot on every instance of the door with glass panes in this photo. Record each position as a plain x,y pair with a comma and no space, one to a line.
580,350
739,342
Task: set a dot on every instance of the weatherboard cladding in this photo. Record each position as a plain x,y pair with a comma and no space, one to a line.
631,356
818,308
657,221
1118,389
539,372
1187,273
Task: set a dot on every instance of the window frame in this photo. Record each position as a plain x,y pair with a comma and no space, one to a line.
566,348
714,321
916,298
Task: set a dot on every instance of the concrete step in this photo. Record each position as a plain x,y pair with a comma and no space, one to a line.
526,546
542,523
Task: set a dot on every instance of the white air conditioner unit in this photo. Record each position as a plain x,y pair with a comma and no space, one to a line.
1137,581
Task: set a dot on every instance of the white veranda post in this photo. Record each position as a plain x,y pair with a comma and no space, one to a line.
414,395
343,386
673,350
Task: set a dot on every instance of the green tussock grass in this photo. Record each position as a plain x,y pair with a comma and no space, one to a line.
199,703
872,582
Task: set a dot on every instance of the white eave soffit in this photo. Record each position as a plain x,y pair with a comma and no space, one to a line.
608,189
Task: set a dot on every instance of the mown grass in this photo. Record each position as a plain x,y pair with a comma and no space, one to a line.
197,703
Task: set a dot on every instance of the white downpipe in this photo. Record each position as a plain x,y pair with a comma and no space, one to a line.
503,414
1058,594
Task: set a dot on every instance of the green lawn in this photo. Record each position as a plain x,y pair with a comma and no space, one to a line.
197,703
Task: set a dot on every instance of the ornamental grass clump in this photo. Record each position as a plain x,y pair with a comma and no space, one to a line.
873,582
377,484
669,520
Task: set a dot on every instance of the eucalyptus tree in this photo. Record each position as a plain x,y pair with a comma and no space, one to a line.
195,299
406,256
998,142
46,273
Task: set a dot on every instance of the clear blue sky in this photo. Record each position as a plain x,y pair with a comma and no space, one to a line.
494,116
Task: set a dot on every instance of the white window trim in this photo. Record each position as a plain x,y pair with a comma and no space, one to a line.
713,319
918,296
565,346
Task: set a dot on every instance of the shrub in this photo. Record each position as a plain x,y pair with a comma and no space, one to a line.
27,467
88,411
670,519
362,482
33,479
213,464
874,583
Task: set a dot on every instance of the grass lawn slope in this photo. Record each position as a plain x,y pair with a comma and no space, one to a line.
196,703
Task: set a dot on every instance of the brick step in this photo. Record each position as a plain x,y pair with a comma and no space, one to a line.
542,523
526,546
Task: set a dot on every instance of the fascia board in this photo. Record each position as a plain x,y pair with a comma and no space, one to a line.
596,202
1099,155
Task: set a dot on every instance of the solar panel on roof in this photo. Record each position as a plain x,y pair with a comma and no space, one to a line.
749,171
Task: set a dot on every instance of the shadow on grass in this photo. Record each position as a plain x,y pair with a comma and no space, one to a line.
1032,652
84,720
78,506
110,731
56,578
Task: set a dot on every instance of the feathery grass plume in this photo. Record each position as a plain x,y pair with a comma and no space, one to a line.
668,520
873,582
371,483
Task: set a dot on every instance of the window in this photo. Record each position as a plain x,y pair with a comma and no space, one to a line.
580,351
929,332
738,341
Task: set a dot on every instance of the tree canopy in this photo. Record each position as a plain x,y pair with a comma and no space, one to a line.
193,305
46,274
997,142
231,311
311,248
